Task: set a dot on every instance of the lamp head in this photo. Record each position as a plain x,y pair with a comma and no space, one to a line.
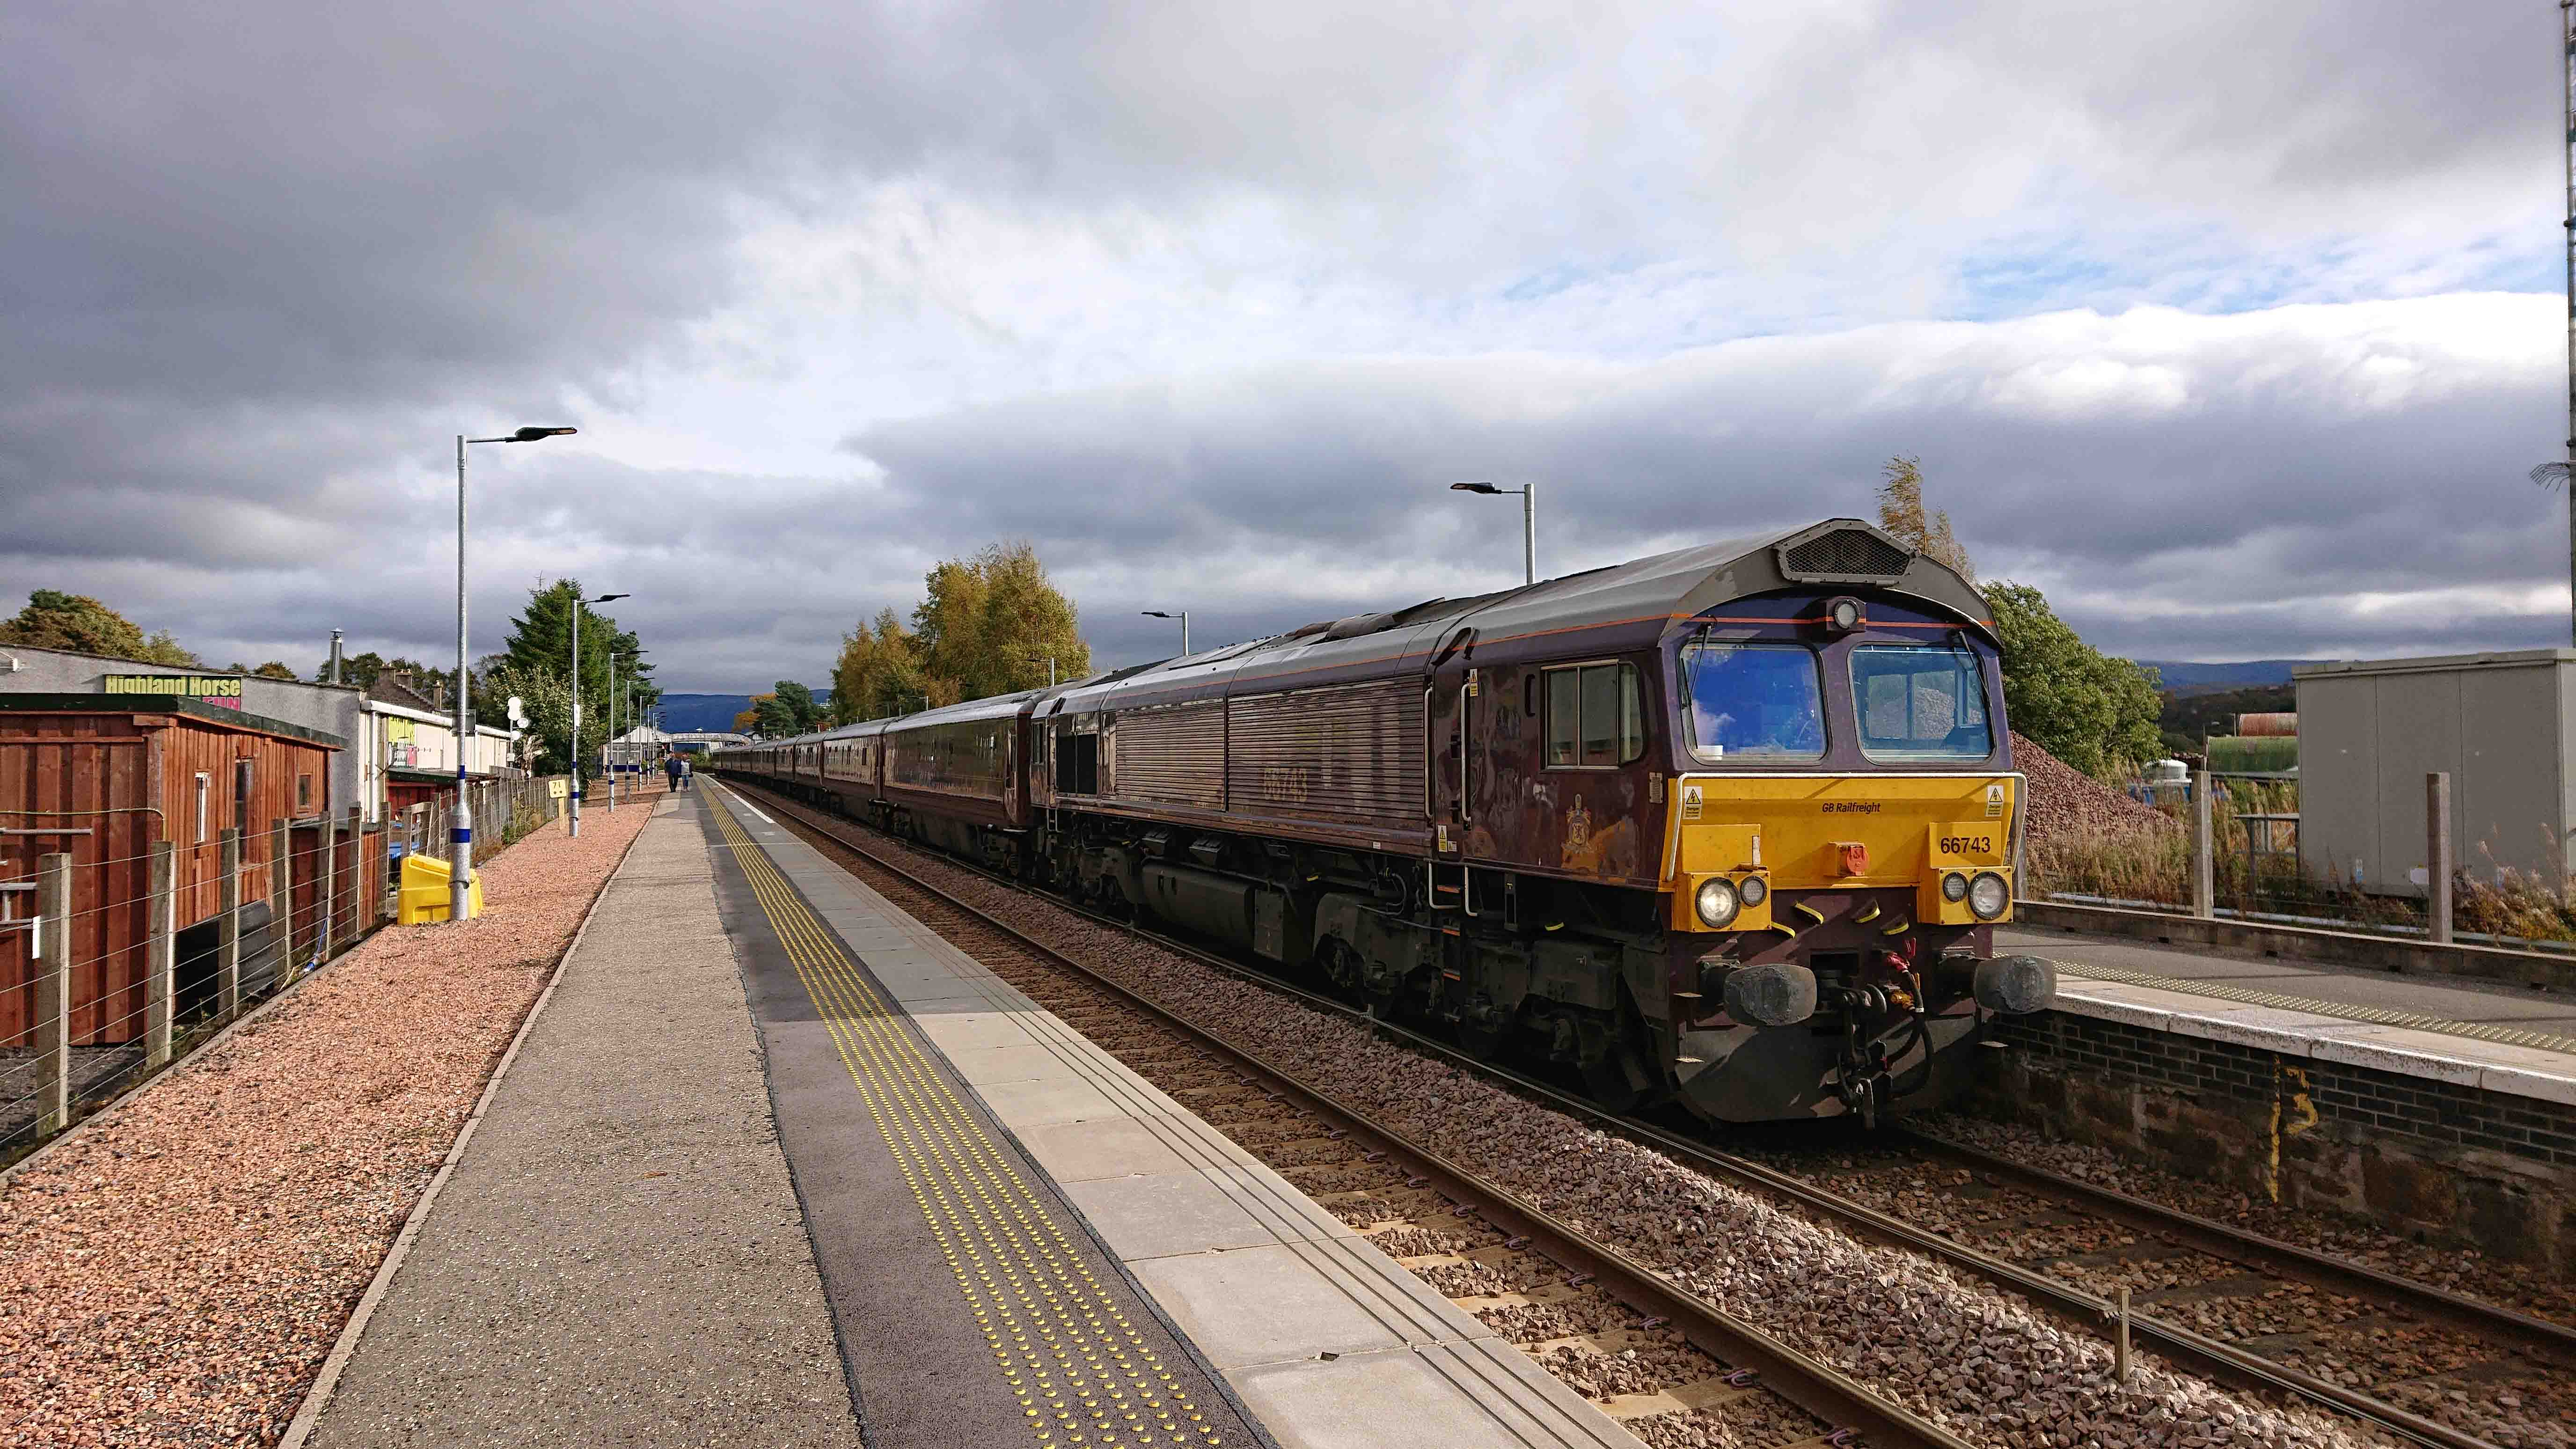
530,435
606,598
1154,613
1474,488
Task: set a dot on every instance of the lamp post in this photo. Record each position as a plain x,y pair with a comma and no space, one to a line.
1049,662
577,603
460,817
1183,616
1529,521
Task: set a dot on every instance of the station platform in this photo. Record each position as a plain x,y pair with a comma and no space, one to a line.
777,1164
2493,1038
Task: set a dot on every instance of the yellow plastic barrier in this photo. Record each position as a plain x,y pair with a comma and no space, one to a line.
425,892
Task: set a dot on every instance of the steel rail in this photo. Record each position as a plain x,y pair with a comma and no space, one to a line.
2540,1336
1834,1398
2071,1306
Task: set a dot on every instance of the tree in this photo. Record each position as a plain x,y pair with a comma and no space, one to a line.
789,711
748,722
2093,711
986,625
83,625
545,696
1902,513
541,640
276,669
879,672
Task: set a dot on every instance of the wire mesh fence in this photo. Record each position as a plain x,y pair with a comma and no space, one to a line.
113,968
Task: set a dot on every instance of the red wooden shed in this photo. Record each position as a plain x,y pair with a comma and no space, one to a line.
94,777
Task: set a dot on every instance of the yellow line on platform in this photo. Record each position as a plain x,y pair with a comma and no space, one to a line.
1081,1372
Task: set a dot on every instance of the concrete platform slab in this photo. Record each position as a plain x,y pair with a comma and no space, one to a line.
1175,1212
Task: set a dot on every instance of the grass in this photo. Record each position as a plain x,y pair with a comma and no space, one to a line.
2154,866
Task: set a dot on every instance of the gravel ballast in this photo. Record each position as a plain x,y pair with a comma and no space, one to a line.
176,1274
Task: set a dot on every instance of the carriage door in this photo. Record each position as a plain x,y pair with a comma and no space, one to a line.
1455,709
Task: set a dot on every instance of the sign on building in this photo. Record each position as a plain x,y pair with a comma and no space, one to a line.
216,689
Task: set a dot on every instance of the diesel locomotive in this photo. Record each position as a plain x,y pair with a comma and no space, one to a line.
1729,826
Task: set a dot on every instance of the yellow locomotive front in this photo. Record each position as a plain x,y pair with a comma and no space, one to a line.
1840,839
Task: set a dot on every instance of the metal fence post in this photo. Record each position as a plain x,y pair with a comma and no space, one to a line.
228,905
281,903
162,955
325,888
2437,854
357,833
2204,883
54,996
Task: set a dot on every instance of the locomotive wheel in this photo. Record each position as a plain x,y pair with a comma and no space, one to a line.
1485,1043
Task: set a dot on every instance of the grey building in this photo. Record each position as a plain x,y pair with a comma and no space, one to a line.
2501,724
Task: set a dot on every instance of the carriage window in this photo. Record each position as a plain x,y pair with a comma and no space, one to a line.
1754,701
1920,703
1594,716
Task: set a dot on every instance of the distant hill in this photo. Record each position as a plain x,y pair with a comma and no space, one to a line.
689,713
2182,677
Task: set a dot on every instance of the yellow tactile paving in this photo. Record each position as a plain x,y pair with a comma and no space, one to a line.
1080,1371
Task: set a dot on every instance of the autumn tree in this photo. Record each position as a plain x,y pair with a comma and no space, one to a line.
80,624
748,721
879,672
1905,516
277,669
987,625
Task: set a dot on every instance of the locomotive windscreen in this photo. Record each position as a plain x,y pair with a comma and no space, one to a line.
1754,701
1920,703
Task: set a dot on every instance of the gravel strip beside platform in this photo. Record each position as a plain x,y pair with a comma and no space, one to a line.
177,1275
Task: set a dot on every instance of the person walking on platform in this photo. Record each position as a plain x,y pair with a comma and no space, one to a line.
671,767
686,771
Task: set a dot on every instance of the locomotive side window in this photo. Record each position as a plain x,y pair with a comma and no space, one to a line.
1754,701
1920,703
1595,718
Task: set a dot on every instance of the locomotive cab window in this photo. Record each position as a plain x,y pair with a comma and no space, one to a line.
1595,716
1920,702
1762,702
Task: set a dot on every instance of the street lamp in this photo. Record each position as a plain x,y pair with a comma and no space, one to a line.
577,602
1183,616
1049,661
460,818
1529,521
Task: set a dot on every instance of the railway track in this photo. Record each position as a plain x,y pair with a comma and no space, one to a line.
1996,1200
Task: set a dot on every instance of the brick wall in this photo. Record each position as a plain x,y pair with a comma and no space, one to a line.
2451,1163
2445,1113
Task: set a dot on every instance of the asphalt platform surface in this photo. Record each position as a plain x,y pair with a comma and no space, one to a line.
618,1259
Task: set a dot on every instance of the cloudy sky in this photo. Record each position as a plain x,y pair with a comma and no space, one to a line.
2234,327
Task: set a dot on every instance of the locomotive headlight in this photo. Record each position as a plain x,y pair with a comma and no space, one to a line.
1988,896
1954,887
1754,889
1717,902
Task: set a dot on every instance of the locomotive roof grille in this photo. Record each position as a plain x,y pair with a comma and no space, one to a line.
1843,555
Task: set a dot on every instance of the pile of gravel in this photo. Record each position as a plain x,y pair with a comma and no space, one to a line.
2067,804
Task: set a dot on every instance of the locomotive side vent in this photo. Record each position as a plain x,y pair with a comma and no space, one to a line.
1843,555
